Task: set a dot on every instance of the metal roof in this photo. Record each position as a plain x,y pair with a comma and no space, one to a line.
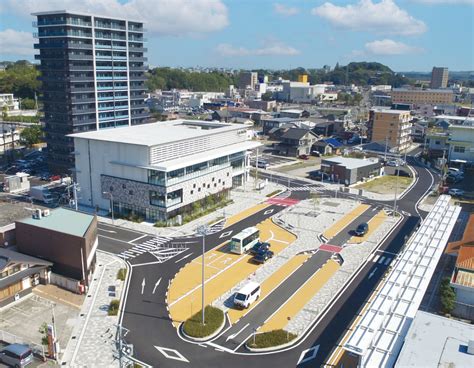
349,163
63,221
381,331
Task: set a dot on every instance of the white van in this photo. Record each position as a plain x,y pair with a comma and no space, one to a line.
247,295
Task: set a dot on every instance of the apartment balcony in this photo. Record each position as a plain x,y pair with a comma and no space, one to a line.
138,106
89,120
75,79
109,26
80,57
137,88
81,89
75,101
137,49
138,78
143,115
65,22
142,59
103,57
138,97
138,68
83,111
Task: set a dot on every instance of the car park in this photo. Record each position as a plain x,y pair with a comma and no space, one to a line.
16,355
248,294
456,192
362,229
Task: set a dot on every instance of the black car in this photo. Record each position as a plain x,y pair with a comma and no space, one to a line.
260,247
263,256
362,229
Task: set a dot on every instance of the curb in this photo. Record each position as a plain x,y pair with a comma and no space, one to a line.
206,338
271,348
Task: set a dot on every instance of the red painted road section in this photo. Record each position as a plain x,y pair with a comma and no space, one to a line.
330,248
283,201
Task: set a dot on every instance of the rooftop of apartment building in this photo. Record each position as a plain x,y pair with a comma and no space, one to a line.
52,12
158,133
389,111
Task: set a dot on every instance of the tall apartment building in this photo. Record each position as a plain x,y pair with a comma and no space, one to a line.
92,73
422,96
248,79
439,77
393,126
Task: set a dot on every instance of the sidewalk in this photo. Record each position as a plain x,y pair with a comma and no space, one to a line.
243,198
93,339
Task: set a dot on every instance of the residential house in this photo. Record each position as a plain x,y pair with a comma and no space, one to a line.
296,142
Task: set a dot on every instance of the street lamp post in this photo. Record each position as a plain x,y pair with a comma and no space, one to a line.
202,230
111,205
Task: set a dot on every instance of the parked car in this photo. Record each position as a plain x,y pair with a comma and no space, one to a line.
263,256
260,246
319,175
247,295
303,157
16,355
450,178
456,192
454,171
393,163
362,229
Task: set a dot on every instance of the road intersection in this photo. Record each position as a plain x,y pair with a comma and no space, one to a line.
146,312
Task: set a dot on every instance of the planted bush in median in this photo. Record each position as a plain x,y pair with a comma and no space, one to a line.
214,317
271,338
114,307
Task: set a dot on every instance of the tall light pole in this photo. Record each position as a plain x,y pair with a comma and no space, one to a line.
203,230
111,205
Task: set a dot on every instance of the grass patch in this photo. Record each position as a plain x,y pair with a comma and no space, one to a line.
121,274
273,193
386,184
271,338
214,318
113,307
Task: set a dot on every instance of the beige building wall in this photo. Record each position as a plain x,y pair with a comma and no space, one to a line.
393,125
422,97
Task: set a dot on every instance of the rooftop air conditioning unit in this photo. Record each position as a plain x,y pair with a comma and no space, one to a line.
46,213
37,214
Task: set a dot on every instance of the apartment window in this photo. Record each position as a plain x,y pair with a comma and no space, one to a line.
199,189
194,185
157,199
215,185
192,192
459,149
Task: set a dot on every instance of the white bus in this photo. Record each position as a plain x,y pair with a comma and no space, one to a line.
245,240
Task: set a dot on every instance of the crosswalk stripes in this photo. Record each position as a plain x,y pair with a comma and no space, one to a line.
150,245
307,189
217,227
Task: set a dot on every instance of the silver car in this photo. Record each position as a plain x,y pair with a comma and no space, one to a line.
16,355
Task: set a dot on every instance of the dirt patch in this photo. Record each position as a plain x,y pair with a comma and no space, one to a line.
386,184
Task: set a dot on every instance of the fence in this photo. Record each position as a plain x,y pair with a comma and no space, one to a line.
9,338
65,283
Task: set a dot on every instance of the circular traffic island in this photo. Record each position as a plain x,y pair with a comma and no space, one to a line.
271,340
194,329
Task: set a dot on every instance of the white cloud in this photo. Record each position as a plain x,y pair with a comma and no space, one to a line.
390,47
268,48
166,17
16,42
446,2
382,17
285,10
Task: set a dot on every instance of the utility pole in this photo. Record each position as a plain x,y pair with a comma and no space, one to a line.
203,230
256,170
386,147
396,192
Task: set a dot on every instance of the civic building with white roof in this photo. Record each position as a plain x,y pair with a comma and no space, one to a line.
157,171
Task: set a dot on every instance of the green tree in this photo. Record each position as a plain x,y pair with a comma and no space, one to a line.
447,296
32,135
21,79
43,330
28,104
267,96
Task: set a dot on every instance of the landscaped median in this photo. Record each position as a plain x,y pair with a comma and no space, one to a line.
194,329
269,340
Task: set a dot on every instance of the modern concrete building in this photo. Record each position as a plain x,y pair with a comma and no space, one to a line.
92,73
348,170
66,238
391,126
8,100
422,96
461,141
437,341
157,171
248,79
439,77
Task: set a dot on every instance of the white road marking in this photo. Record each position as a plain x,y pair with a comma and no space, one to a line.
176,354
140,237
186,256
372,273
225,234
222,348
387,261
156,285
314,352
237,333
268,212
143,285
108,231
381,259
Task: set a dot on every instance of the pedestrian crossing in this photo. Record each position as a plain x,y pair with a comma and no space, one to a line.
216,227
149,245
308,188
380,259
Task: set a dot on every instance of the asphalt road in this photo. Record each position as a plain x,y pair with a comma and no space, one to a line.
155,339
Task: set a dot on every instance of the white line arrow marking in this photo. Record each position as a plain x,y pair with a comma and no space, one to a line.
372,273
143,285
237,333
314,352
156,285
108,231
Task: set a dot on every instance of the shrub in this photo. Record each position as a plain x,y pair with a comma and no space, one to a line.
271,338
447,296
214,318
273,193
114,307
121,274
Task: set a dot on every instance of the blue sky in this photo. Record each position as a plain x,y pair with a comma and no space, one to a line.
407,35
